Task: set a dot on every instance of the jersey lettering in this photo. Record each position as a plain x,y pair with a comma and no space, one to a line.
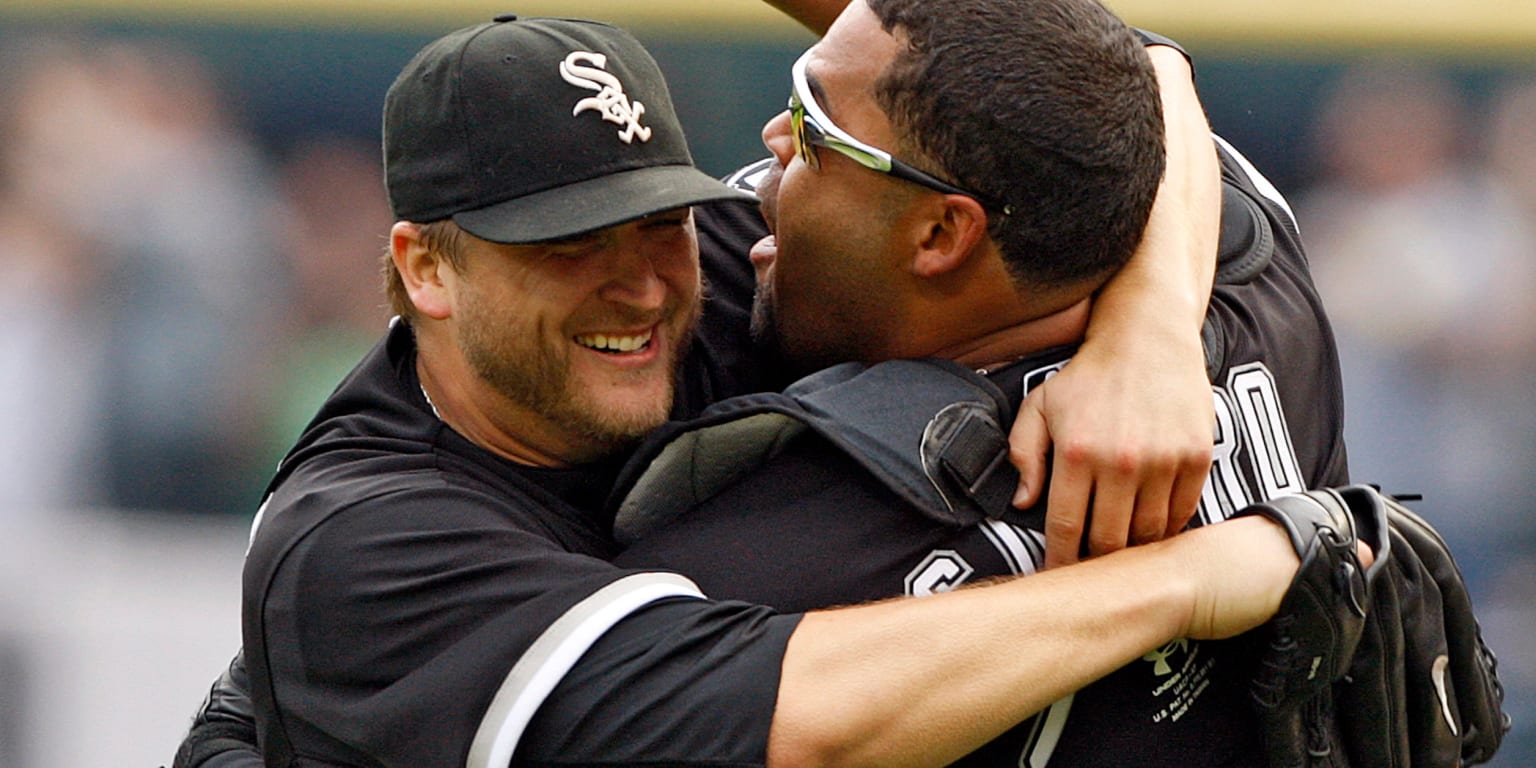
1045,733
1022,549
1258,405
1041,375
1249,421
941,571
1225,490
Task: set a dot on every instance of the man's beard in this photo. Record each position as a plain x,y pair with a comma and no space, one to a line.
765,322
781,368
537,376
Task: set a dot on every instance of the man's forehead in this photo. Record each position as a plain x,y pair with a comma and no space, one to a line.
851,56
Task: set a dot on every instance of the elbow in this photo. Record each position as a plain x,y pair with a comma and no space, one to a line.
803,751
827,738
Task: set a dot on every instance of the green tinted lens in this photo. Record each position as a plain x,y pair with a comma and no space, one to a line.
811,127
798,133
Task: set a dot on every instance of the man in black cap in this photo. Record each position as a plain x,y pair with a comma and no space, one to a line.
429,563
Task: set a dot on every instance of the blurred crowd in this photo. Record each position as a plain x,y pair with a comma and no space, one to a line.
181,296
184,296
1421,228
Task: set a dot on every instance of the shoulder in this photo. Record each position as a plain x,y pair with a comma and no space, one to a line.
730,227
1269,344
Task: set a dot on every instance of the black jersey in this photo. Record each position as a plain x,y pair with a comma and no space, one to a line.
411,599
811,527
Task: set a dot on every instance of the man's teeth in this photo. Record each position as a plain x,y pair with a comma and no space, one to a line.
604,343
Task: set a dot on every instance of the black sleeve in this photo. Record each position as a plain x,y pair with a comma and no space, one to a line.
678,683
723,362
431,627
1265,307
223,735
1152,38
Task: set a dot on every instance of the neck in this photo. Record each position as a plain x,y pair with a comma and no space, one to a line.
1003,346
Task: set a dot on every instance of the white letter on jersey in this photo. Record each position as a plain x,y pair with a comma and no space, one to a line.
941,571
1274,458
1249,420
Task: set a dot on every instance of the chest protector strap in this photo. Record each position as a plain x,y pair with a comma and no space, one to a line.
930,430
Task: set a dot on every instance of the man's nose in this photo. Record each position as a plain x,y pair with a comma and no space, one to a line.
777,138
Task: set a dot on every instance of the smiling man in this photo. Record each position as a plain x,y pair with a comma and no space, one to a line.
575,340
432,561
556,284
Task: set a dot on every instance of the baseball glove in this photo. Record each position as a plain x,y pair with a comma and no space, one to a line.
1381,668
1423,690
1310,643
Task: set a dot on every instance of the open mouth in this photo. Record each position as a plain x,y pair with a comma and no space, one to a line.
612,344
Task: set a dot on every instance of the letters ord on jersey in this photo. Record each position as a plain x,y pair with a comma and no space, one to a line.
1249,421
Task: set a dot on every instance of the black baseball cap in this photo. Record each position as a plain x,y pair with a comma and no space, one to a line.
524,130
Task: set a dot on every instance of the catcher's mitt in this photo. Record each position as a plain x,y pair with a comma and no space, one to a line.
1384,668
1311,641
1423,690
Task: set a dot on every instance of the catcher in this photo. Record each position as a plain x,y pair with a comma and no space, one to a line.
868,481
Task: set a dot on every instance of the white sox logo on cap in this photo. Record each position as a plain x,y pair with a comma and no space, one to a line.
611,103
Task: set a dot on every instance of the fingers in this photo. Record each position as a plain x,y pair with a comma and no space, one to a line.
1114,502
1130,504
1066,511
1118,461
1100,504
1029,443
1184,496
1151,520
1126,504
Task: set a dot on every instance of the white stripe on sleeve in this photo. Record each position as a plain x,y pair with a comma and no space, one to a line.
1263,184
553,654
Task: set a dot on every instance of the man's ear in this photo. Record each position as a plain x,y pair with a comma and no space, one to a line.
955,231
424,272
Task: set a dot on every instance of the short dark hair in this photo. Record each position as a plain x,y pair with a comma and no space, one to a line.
1048,106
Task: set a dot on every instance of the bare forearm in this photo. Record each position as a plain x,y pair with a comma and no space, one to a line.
815,15
1130,418
1168,280
919,682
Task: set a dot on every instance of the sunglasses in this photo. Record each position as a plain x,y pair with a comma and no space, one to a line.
810,128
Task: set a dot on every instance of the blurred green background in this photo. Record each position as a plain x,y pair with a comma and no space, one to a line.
295,68
191,213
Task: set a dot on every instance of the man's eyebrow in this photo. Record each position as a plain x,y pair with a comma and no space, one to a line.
817,92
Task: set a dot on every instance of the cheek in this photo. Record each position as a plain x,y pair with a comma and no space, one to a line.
807,294
818,237
687,279
680,271
811,248
539,310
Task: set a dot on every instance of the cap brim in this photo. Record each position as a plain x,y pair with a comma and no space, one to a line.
594,204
